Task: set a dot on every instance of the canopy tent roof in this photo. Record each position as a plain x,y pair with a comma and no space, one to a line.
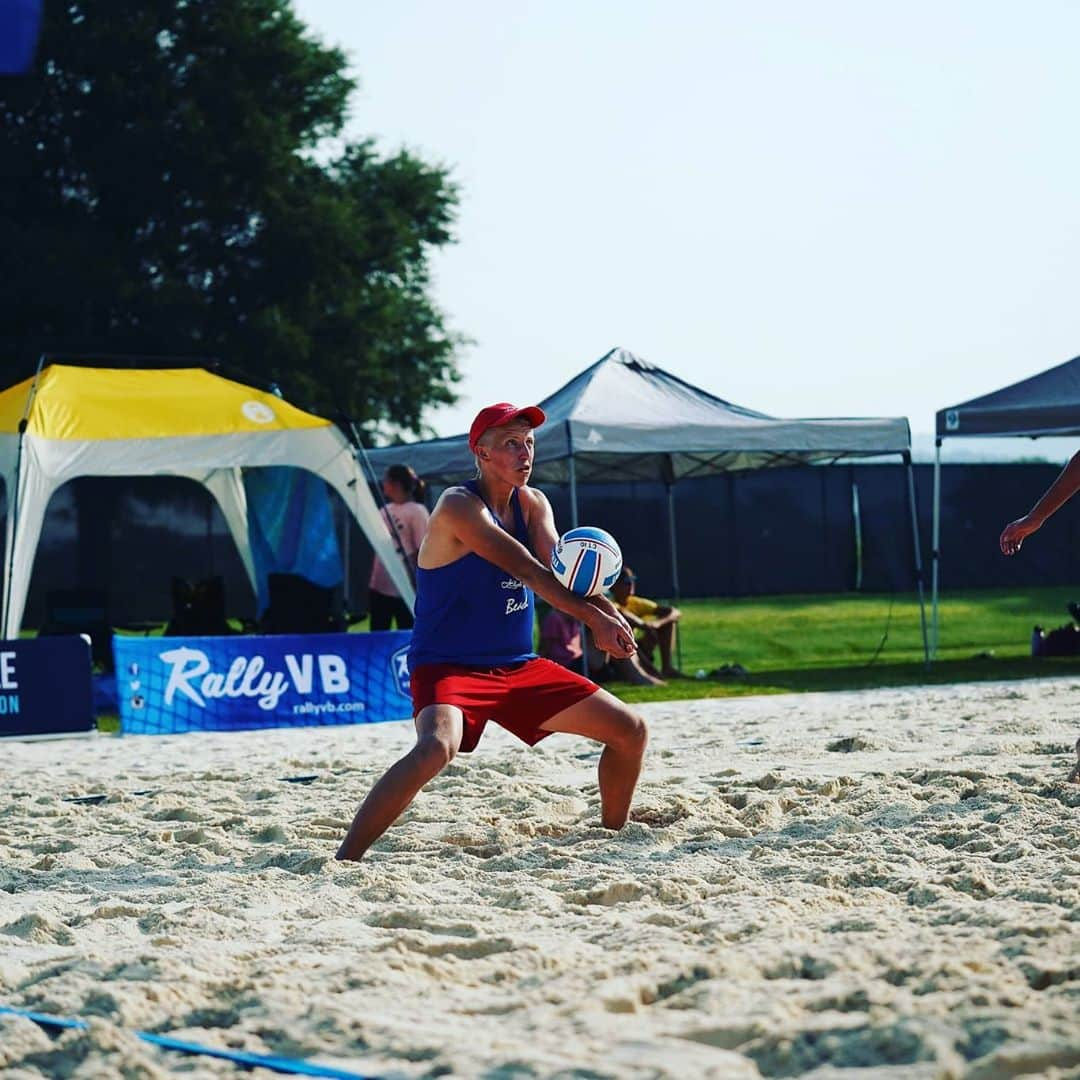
1042,405
625,419
71,403
67,422
1045,404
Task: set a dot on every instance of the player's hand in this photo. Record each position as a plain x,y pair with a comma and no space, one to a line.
1014,534
614,636
608,608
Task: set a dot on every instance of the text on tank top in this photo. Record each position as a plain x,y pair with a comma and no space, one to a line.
470,611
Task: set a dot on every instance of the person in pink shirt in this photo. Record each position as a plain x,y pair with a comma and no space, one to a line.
560,639
405,514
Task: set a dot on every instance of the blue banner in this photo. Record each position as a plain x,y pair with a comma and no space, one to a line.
45,686
20,22
174,684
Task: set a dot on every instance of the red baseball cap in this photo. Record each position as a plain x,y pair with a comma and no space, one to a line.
502,413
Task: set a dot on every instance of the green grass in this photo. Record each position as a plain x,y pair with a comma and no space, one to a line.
850,642
795,643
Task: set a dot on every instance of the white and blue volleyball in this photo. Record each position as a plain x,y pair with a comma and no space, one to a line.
586,560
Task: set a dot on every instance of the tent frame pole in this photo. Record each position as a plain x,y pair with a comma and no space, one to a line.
583,632
856,528
914,511
13,498
368,471
672,541
573,486
670,485
935,552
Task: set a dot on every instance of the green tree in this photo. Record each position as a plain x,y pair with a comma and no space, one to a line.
173,181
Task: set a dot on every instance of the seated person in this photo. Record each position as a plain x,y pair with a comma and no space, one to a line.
560,639
654,624
603,667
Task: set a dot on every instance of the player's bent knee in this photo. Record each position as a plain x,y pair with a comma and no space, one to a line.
631,734
434,753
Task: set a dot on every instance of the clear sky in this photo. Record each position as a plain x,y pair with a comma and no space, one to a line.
827,209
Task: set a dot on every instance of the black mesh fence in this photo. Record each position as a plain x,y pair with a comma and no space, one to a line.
740,534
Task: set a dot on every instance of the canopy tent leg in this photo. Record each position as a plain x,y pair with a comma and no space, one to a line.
9,539
935,553
674,565
856,524
397,566
226,488
914,510
346,562
33,493
11,481
11,620
583,631
573,494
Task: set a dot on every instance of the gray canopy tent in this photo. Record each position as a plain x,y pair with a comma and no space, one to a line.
624,420
1044,405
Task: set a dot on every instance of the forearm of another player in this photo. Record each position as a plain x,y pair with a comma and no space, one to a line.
1060,491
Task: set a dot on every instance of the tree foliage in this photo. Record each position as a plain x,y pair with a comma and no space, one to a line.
166,188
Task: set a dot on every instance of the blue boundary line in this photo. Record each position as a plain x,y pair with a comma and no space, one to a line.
293,1066
100,797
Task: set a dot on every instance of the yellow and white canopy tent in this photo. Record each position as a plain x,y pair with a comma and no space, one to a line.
66,422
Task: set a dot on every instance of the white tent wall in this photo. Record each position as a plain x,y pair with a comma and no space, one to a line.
29,492
9,472
227,487
43,465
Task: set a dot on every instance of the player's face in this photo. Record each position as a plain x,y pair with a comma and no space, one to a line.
510,453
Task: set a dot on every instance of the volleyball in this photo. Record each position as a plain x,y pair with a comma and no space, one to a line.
586,560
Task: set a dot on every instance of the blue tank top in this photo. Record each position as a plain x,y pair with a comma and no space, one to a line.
471,612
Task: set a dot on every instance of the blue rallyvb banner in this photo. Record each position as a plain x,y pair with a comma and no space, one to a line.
45,686
20,24
174,684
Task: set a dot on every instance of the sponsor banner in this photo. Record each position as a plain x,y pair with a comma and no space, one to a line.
175,684
45,686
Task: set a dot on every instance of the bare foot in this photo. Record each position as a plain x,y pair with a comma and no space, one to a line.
643,678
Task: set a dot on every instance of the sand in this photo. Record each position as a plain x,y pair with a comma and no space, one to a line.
852,885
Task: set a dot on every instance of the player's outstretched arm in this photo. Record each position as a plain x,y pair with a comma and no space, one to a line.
1056,495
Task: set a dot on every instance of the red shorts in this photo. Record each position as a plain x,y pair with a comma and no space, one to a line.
519,697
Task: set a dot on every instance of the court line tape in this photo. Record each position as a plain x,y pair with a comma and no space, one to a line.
94,800
292,1066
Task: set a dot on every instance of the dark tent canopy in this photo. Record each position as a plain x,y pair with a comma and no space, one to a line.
1046,404
1043,405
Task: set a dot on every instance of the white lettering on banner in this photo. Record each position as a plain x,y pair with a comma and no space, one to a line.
334,674
513,605
399,667
7,671
301,673
236,673
180,677
191,677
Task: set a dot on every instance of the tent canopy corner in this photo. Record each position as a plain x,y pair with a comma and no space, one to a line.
70,421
